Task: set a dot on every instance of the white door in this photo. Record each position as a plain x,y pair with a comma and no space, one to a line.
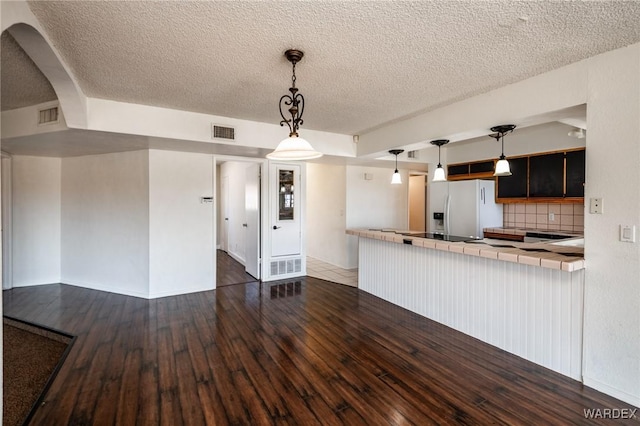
252,221
224,238
285,210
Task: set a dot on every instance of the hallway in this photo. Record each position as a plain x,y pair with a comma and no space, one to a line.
229,271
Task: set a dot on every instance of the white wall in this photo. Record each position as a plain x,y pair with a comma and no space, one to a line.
374,203
237,173
612,311
181,228
36,220
105,222
326,213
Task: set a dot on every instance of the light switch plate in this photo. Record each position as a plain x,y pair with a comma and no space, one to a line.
628,233
595,206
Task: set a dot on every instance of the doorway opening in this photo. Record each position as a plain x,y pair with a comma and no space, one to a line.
238,223
418,201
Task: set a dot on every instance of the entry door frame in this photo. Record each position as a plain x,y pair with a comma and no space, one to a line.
264,200
6,278
252,249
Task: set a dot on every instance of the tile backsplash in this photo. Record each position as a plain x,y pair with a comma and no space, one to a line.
566,217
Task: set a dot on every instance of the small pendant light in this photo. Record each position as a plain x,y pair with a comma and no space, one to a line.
438,175
396,179
502,166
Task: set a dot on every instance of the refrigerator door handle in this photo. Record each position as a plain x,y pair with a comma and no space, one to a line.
447,205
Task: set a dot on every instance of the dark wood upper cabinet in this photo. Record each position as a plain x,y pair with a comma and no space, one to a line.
550,177
475,170
554,177
514,186
481,167
575,166
546,175
458,170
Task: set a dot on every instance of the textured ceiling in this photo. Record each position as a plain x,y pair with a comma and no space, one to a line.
22,82
366,63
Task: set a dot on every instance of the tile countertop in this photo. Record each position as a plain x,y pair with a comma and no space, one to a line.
565,258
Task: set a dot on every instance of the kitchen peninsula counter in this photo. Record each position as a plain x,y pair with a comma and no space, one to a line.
545,255
525,298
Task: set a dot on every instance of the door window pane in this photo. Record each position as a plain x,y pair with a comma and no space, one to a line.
285,195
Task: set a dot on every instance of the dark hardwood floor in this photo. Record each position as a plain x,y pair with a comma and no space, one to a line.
229,271
297,352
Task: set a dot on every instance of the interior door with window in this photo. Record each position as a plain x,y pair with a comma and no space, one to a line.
285,211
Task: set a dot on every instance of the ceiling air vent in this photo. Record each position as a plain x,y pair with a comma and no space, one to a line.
221,132
48,116
412,154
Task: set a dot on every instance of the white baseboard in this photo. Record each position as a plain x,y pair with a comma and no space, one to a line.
609,390
109,289
236,257
180,291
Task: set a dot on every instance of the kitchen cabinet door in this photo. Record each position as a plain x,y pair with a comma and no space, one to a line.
575,173
546,176
514,186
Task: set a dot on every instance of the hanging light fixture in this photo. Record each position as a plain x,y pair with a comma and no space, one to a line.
502,166
577,133
293,147
438,175
396,179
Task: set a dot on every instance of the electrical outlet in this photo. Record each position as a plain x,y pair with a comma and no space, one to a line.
552,217
595,206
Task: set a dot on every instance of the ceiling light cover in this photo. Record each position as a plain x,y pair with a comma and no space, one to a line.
293,147
502,166
577,133
438,174
396,179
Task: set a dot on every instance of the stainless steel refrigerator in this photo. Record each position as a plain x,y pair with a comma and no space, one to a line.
468,206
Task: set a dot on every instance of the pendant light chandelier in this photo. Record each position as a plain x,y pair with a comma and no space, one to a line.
438,175
395,178
502,166
293,147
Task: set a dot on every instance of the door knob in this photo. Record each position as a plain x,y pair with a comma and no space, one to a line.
226,218
276,227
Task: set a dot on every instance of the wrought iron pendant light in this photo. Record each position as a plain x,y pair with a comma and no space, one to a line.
294,147
395,178
438,175
502,166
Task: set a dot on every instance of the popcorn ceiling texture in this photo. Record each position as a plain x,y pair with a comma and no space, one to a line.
22,82
366,63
